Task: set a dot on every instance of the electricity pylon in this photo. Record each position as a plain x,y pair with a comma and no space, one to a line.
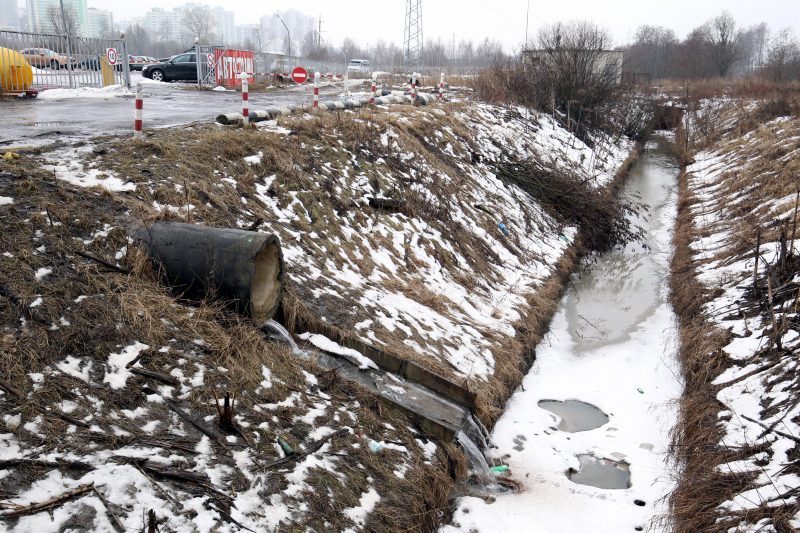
412,40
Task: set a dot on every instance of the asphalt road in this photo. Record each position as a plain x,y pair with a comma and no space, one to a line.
26,122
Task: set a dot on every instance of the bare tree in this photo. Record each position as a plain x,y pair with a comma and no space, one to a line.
198,24
259,37
63,23
575,62
783,57
652,53
724,39
138,40
753,43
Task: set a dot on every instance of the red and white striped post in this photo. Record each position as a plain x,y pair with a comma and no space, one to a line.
441,87
245,99
137,116
374,88
315,105
414,87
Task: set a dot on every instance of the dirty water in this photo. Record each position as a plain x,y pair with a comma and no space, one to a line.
575,415
613,294
589,427
601,473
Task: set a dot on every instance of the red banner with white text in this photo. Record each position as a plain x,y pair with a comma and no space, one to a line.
229,64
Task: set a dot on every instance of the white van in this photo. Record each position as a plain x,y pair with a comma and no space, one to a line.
358,65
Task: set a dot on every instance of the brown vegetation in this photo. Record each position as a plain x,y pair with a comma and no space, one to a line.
739,132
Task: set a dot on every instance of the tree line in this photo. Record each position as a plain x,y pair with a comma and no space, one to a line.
716,48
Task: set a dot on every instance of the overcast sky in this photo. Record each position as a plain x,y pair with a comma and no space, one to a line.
503,20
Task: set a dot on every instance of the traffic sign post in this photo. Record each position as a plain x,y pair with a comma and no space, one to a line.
111,55
299,75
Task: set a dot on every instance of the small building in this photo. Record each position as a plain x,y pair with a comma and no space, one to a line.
602,60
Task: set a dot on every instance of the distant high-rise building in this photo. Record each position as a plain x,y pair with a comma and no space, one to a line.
224,26
168,25
9,15
162,25
248,33
44,16
100,23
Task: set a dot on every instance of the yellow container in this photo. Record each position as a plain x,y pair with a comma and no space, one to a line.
16,74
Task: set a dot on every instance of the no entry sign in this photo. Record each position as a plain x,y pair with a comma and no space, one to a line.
111,55
299,75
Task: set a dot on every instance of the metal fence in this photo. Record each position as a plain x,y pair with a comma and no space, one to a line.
58,61
280,64
266,66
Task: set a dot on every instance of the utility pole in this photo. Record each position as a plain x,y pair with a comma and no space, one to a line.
288,35
412,38
67,30
527,22
319,34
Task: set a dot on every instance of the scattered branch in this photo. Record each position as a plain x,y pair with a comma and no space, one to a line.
49,504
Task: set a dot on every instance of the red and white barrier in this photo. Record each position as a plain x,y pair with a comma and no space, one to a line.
414,87
137,116
374,89
316,90
245,98
441,87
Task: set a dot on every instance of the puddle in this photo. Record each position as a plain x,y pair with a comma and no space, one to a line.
601,473
575,415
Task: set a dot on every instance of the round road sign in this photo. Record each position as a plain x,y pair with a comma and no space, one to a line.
210,60
111,55
299,75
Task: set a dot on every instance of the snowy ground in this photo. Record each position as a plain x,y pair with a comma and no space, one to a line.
628,370
742,185
438,282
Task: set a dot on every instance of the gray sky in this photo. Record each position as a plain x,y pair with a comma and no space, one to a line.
504,20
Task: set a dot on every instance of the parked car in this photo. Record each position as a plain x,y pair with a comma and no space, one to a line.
93,63
44,58
182,67
137,62
358,65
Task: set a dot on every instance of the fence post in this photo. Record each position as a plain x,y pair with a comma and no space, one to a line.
197,67
69,58
126,72
346,85
245,99
137,118
441,87
315,105
374,88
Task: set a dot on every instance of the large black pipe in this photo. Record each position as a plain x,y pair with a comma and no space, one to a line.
243,268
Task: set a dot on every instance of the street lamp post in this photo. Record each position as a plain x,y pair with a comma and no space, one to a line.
288,35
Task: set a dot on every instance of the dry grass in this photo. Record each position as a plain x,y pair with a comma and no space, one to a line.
697,439
120,308
740,88
184,168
